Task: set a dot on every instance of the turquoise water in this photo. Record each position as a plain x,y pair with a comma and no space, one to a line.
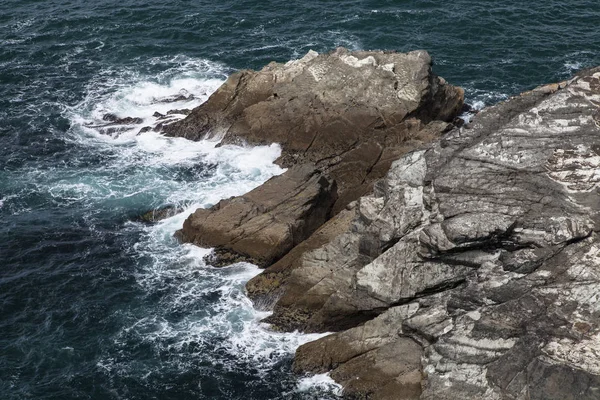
96,305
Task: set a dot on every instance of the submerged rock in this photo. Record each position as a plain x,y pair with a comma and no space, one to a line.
158,214
483,249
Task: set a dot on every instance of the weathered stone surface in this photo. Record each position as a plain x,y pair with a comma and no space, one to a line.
370,361
349,113
264,224
490,239
311,299
472,271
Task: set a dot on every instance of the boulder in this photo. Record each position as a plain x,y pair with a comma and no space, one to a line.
482,249
349,113
264,224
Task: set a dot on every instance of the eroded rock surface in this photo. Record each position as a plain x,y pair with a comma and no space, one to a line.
349,113
483,249
472,271
264,224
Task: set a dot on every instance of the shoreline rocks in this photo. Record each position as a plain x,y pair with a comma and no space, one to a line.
347,114
488,259
265,223
471,270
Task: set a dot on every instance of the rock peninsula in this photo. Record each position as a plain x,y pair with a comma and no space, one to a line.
344,117
451,262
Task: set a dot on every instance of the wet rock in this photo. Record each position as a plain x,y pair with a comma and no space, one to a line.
483,250
158,214
183,111
183,95
267,222
110,117
221,256
115,120
145,129
115,125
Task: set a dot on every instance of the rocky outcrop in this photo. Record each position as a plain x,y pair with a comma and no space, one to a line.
370,361
349,113
471,271
346,114
483,249
264,224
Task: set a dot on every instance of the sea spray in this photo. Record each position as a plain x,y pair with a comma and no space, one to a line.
203,316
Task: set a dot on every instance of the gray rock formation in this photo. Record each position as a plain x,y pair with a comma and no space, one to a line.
349,113
472,271
483,249
264,224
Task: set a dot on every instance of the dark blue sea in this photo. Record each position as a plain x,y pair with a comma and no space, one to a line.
97,305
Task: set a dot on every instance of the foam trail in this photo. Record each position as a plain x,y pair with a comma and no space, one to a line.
150,99
203,316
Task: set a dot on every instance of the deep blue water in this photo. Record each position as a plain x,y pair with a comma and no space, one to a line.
94,305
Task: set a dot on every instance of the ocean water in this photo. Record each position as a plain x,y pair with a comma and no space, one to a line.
96,305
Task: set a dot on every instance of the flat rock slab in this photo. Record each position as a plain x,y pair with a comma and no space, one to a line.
264,224
370,361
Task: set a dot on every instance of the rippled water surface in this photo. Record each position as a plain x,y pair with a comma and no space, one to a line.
93,303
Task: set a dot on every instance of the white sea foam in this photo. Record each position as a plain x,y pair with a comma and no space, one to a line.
399,12
229,316
572,66
202,314
184,84
322,382
147,167
479,100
